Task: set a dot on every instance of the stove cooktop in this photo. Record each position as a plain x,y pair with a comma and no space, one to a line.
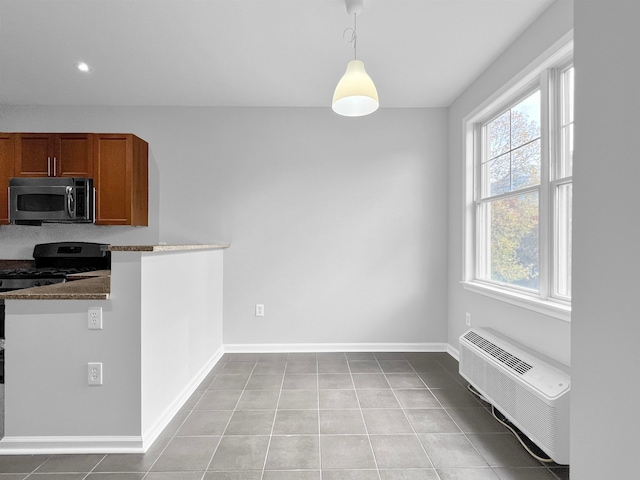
54,261
10,284
36,273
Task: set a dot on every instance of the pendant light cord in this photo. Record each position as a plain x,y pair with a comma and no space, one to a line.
353,38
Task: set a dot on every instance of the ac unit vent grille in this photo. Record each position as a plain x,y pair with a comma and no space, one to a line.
504,357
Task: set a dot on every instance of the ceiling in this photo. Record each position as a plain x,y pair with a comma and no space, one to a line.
420,53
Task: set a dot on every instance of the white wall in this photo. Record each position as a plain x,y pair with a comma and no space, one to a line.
181,328
543,333
606,237
338,225
46,392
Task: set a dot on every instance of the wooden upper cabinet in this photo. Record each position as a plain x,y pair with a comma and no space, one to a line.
74,154
121,168
54,155
118,164
34,154
7,154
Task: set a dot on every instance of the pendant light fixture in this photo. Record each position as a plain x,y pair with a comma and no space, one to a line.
355,94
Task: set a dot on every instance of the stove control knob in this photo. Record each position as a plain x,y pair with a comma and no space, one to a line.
36,283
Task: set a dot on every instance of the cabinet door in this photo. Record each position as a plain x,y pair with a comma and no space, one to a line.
7,160
121,179
74,155
112,166
34,154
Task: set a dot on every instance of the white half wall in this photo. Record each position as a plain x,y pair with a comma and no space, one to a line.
338,225
545,334
181,312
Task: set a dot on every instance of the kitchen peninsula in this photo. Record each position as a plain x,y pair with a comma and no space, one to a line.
161,310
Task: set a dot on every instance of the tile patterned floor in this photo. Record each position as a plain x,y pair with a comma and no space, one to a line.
324,416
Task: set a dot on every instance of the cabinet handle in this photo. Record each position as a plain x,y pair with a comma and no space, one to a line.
48,166
55,170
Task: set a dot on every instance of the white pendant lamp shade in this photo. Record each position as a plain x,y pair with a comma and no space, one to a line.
355,95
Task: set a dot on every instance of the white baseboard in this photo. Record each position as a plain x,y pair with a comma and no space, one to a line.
453,352
335,347
65,445
151,434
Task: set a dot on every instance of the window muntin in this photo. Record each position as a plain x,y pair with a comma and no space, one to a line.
562,277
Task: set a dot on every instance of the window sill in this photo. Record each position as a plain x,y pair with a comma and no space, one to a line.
545,307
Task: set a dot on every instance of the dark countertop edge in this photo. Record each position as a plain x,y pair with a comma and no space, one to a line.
167,248
96,288
57,296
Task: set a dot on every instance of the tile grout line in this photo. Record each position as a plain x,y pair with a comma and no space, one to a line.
179,427
95,466
366,429
244,389
449,415
36,469
403,409
318,414
273,423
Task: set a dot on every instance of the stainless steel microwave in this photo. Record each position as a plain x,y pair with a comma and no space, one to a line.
33,201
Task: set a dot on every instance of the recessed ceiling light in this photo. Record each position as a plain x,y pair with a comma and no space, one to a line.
83,67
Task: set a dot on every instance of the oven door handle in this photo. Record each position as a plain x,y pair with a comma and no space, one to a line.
70,203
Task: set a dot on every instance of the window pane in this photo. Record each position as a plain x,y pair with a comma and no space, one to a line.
566,98
498,172
499,135
567,94
525,121
513,230
512,157
525,166
566,156
563,240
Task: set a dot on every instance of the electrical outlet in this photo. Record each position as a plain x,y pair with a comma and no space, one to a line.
259,310
467,318
95,318
94,373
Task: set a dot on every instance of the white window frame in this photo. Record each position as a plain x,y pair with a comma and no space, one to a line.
539,74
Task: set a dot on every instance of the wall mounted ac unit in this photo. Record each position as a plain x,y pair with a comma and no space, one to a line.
531,390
